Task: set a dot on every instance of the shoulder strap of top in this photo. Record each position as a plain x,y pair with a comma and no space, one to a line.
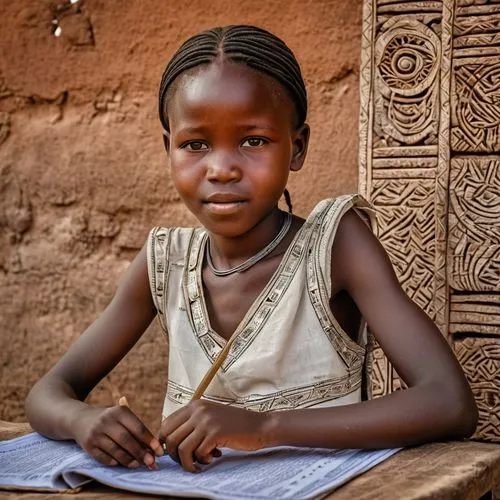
166,247
337,208
324,221
157,256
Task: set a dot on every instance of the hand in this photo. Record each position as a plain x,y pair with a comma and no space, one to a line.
115,436
195,432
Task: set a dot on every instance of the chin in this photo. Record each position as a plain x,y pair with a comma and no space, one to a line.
226,228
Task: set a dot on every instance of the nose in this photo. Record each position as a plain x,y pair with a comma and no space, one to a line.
222,167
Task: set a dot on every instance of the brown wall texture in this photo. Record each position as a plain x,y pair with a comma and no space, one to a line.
83,174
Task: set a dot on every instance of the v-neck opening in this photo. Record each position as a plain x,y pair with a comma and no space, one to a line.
256,303
260,310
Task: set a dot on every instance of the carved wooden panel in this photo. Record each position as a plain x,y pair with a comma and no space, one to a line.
474,223
429,163
480,359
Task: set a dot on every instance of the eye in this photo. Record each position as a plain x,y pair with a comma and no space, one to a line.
254,142
195,146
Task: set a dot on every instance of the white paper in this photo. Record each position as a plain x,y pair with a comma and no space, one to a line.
272,473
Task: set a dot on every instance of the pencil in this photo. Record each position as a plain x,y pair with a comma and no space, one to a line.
123,401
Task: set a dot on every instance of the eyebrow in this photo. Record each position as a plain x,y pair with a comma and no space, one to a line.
246,128
259,127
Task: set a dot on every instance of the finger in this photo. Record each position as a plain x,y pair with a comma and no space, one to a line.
141,433
206,451
203,459
172,423
123,438
116,452
186,451
173,440
102,457
139,430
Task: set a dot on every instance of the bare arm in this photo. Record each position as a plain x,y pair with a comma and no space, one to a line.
55,405
438,403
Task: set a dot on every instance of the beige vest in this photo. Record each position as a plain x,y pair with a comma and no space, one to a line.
289,351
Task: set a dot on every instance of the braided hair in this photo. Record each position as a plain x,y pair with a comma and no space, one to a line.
257,48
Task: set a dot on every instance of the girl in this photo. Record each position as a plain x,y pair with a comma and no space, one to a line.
263,310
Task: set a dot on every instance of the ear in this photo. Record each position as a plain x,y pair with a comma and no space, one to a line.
300,144
166,141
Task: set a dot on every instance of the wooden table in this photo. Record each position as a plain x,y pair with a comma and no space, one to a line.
438,471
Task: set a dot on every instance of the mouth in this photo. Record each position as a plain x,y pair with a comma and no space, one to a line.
224,208
224,203
224,198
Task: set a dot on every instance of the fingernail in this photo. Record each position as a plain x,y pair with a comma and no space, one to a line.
134,464
149,459
156,447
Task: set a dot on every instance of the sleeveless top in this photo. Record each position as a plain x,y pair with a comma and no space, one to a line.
289,351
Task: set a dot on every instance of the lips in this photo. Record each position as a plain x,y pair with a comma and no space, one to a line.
224,198
224,203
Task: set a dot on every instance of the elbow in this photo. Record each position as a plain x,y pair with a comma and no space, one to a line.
468,421
452,409
463,415
30,403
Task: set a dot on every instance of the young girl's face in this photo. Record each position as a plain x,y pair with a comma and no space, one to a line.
232,144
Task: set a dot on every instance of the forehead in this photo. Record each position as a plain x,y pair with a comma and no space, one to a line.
230,88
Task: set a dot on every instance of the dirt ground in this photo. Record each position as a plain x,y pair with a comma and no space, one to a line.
83,174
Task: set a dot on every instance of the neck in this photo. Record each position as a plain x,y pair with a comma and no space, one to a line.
229,252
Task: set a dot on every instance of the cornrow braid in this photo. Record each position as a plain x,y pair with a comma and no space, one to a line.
257,48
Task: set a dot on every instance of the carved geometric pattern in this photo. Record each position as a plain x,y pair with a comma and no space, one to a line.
476,127
407,55
476,313
474,236
384,378
480,360
404,155
405,227
474,194
365,112
441,291
431,85
475,25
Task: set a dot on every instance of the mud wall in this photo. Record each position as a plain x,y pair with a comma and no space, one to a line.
83,174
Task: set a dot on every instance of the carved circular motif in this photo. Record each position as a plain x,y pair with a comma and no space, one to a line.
405,64
407,56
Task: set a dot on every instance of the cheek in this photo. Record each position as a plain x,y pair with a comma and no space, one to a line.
273,170
184,174
184,186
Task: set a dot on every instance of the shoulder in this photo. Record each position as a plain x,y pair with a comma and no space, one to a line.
162,240
332,210
343,222
360,263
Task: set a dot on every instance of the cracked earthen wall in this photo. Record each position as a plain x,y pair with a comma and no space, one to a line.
83,174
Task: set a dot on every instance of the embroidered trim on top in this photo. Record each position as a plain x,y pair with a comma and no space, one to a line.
351,353
255,319
157,249
289,399
210,342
